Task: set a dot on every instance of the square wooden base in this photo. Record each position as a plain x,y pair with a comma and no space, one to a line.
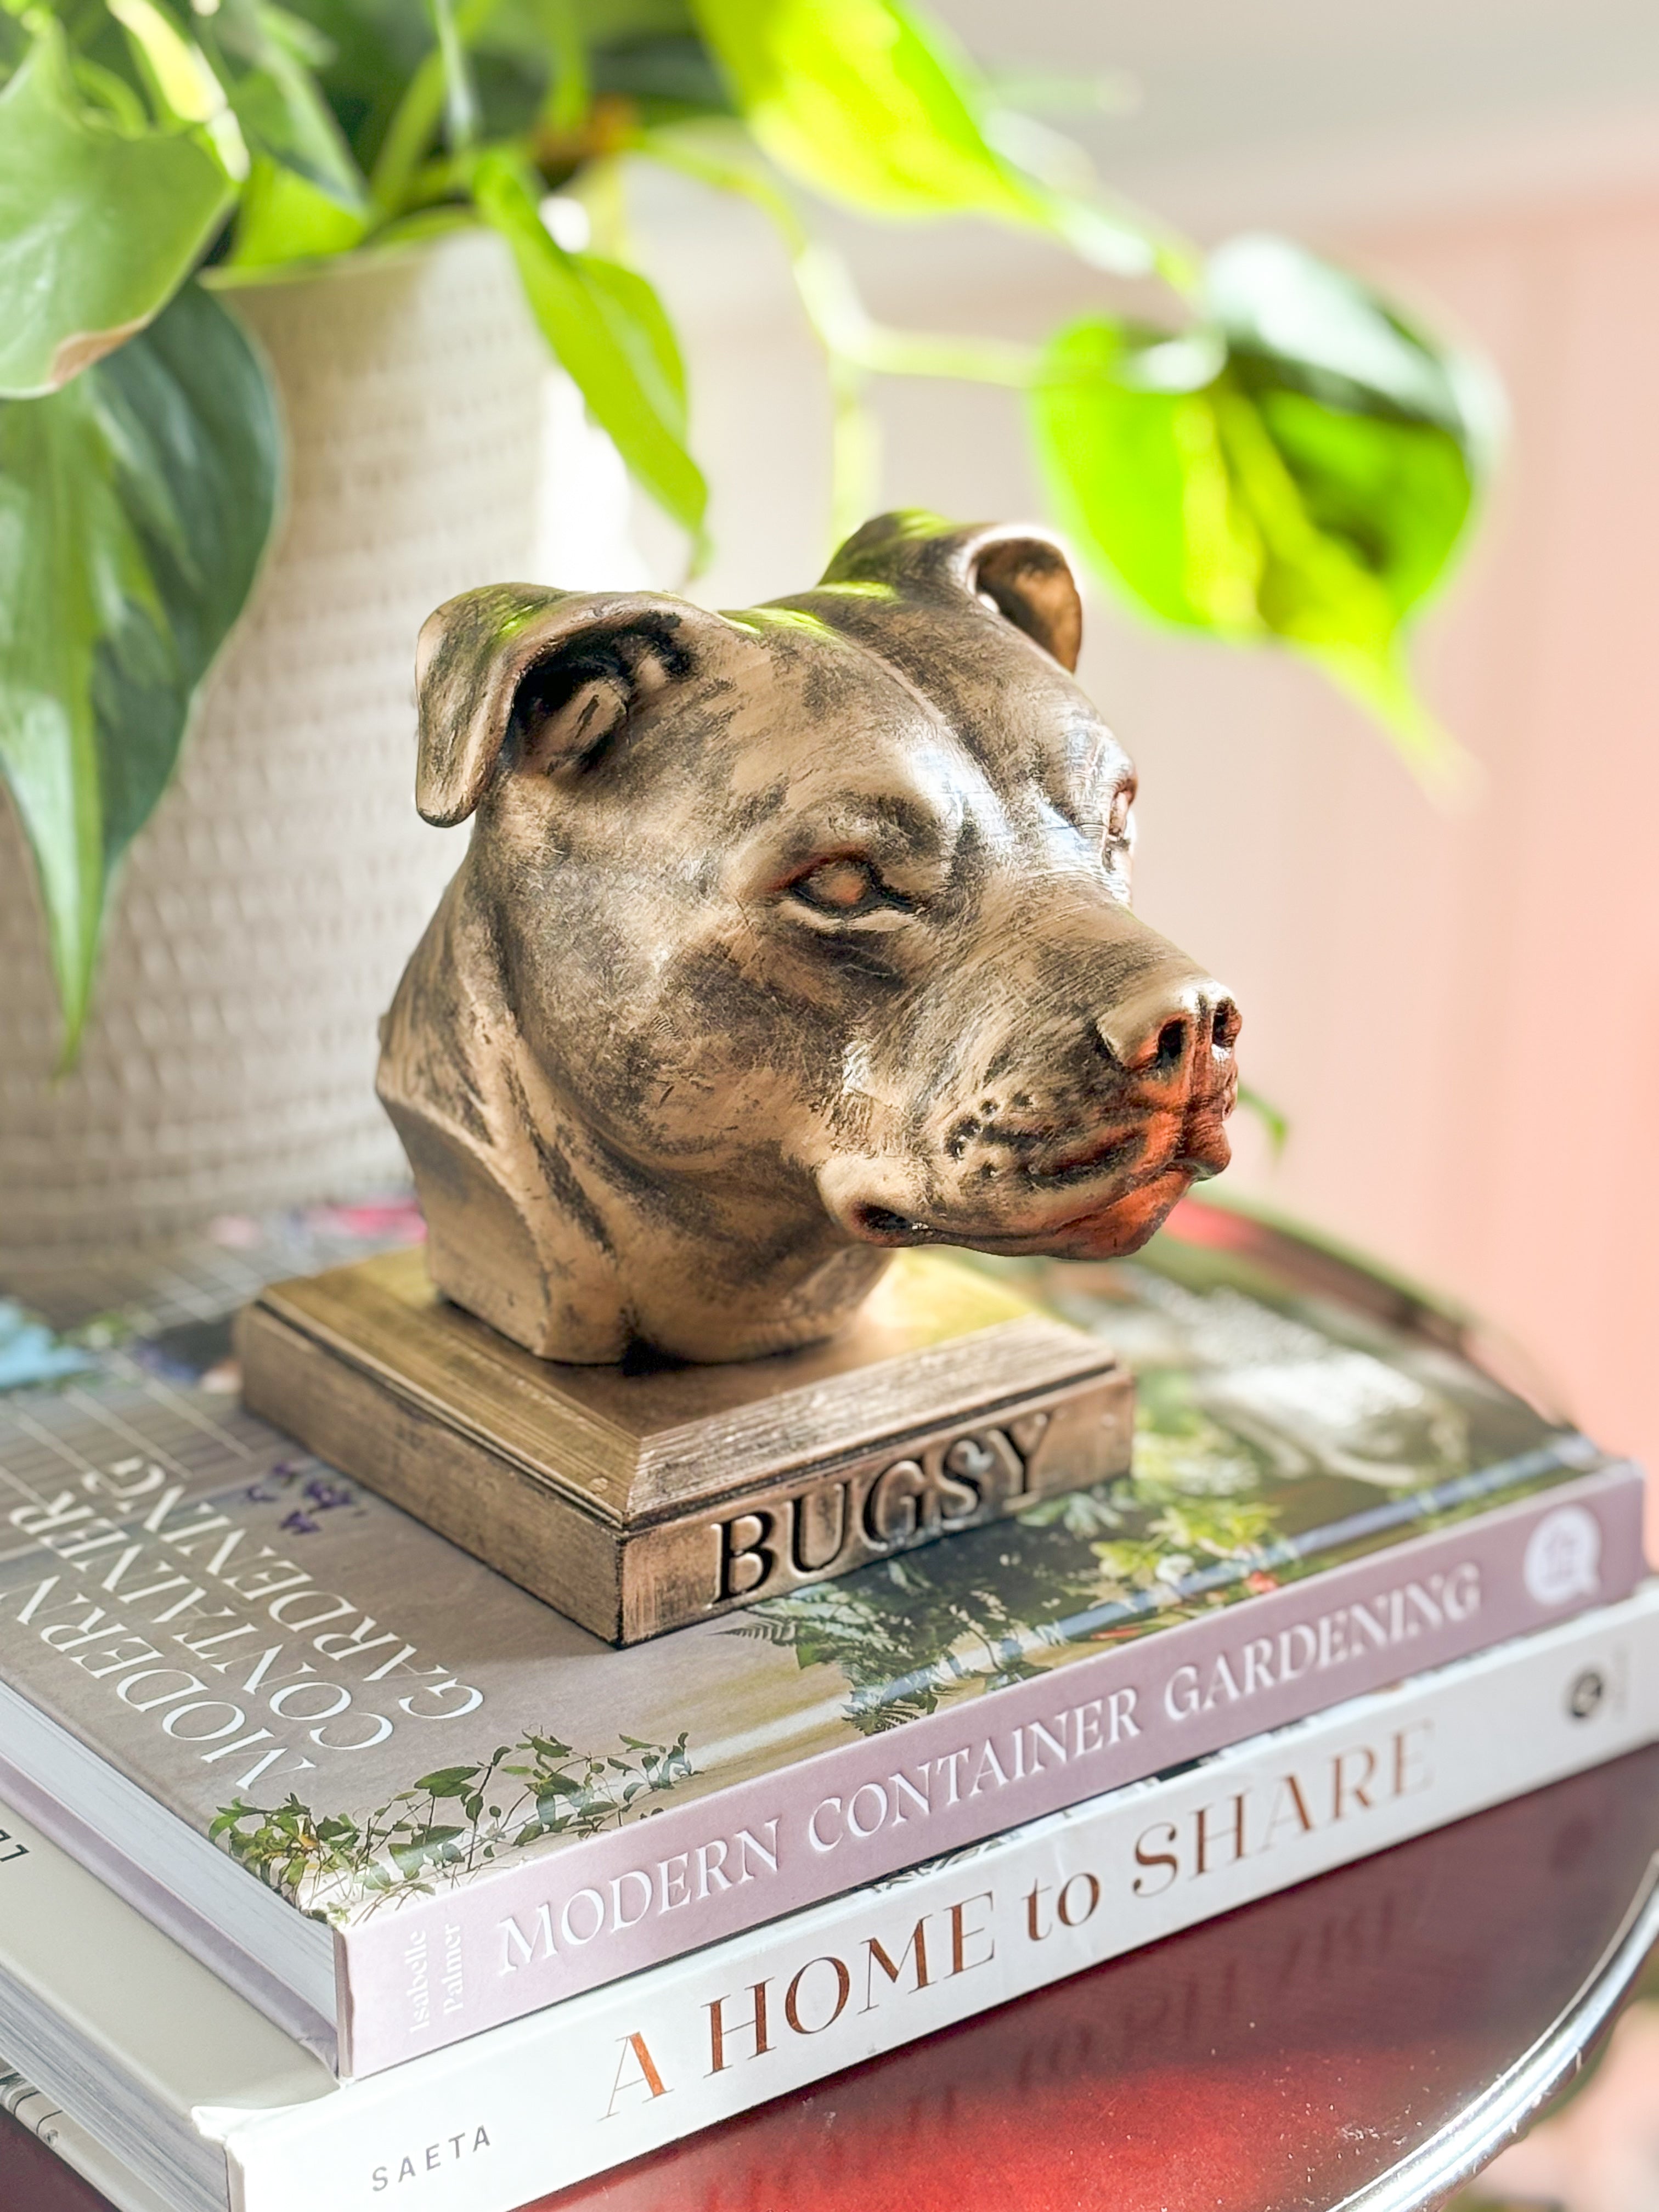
636,1501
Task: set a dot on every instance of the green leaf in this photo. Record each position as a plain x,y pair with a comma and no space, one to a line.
429,1843
98,225
866,102
1129,440
104,90
608,329
640,324
284,218
134,506
1303,468
872,105
298,38
1273,1119
1333,337
559,1785
263,58
448,1782
284,117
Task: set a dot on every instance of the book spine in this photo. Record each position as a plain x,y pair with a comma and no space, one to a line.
546,2101
538,1931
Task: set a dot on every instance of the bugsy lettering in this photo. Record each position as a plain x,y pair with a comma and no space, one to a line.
882,1505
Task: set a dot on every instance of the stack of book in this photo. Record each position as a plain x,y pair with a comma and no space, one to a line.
335,1864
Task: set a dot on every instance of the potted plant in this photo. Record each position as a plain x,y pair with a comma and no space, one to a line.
1286,458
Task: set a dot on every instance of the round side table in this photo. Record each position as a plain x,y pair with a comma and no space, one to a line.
1366,2042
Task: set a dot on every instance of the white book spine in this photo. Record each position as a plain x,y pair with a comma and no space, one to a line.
492,2122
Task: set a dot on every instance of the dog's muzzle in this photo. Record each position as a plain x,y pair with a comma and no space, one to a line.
1019,1173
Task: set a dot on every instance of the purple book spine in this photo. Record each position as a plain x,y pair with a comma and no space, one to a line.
531,1932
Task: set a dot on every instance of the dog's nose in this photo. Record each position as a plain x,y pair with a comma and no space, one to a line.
1165,1033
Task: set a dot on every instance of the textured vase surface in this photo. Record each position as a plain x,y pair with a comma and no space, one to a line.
263,916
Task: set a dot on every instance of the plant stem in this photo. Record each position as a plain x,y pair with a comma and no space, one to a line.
975,360
415,117
606,203
855,347
836,314
435,180
572,89
461,102
854,449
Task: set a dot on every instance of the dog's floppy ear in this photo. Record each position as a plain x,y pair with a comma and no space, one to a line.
1018,569
552,673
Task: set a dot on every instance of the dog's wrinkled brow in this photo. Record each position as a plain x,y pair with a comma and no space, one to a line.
1085,767
925,830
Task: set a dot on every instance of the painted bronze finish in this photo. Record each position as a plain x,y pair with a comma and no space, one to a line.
639,1501
785,939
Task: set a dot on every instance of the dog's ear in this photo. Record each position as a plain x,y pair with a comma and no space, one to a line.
545,676
1020,571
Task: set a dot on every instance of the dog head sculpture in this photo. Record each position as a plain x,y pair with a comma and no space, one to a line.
784,937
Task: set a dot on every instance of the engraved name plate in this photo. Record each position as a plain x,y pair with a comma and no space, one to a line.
637,1502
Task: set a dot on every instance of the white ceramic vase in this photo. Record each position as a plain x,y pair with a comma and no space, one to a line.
265,912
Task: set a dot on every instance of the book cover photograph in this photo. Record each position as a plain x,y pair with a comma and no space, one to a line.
438,1803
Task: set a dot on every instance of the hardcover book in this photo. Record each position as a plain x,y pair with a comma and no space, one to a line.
154,2065
396,1801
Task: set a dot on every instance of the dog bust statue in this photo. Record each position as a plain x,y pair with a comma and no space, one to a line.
783,938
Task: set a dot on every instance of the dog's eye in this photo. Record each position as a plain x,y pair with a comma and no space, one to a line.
1117,820
840,886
